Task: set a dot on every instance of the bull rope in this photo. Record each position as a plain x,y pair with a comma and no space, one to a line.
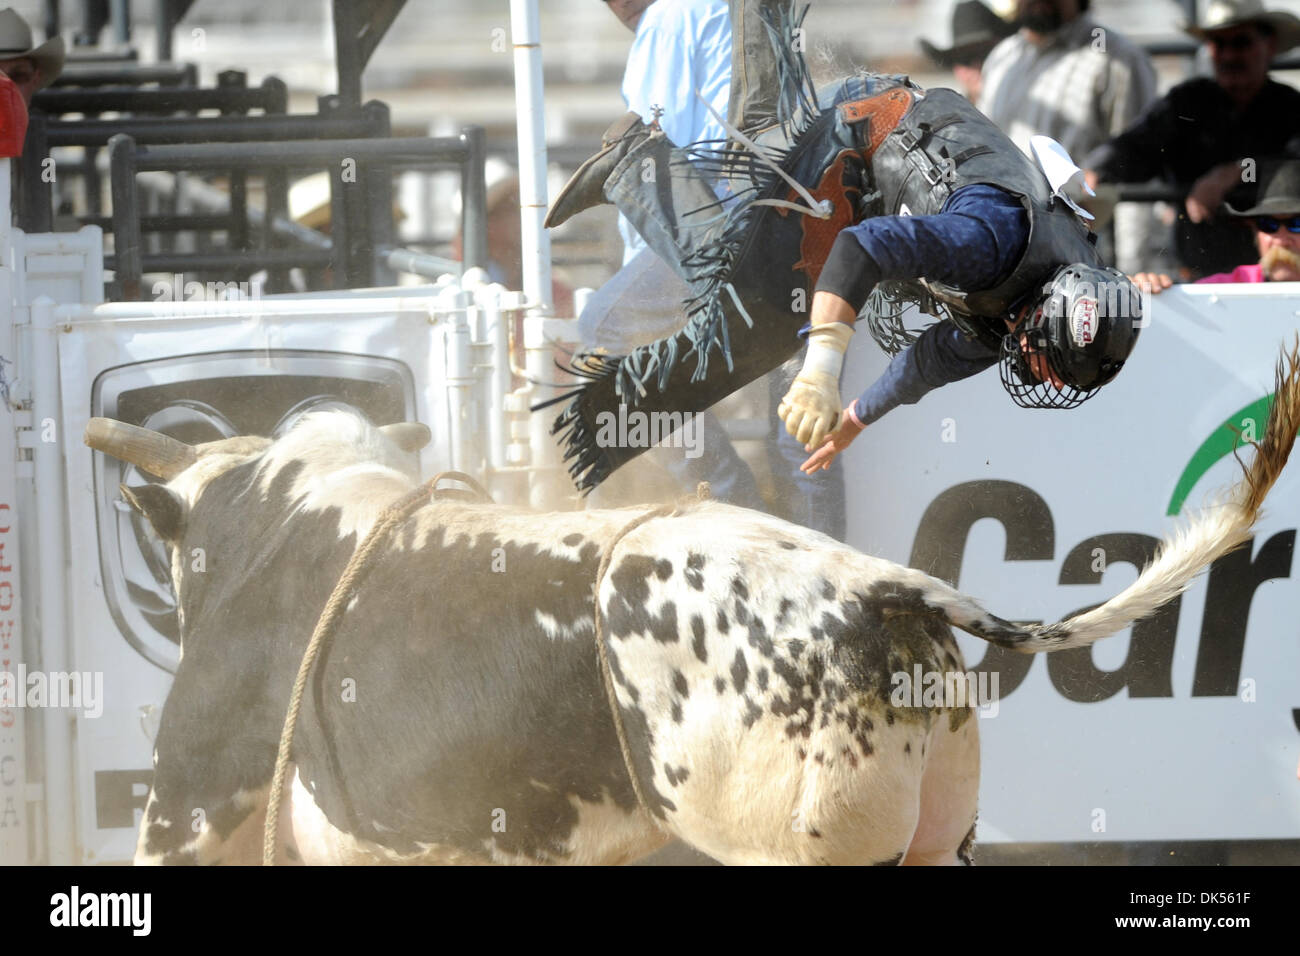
389,518
702,493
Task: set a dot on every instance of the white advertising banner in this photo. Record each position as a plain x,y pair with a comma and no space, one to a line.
1186,727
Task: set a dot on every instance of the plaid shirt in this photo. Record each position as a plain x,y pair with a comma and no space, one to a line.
1085,86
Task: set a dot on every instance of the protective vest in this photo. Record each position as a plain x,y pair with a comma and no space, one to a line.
942,143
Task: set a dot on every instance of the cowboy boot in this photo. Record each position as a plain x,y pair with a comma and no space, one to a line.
587,187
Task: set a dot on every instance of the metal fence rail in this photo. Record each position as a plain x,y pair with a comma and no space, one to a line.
272,97
361,248
166,74
231,95
45,133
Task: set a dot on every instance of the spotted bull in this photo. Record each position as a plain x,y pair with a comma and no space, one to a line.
458,713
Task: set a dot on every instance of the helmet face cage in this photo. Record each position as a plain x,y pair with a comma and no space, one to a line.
1020,382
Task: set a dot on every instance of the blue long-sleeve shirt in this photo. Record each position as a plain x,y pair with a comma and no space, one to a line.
943,354
973,243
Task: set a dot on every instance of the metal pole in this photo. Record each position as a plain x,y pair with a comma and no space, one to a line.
121,19
37,195
222,129
418,263
377,217
277,208
5,230
347,53
95,100
52,24
128,263
473,207
131,75
168,223
94,187
305,154
94,14
164,24
238,236
499,376
241,262
525,29
277,185
460,388
51,583
547,483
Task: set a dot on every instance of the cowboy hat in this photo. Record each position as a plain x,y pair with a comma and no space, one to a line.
16,43
1225,14
1279,191
975,31
309,203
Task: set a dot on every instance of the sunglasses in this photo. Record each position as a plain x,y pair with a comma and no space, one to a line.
1270,224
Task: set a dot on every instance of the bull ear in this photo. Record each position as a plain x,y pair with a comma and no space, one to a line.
160,506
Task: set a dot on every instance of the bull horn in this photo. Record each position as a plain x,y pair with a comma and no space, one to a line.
408,436
153,451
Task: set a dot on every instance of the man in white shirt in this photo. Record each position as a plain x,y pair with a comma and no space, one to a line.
1065,76
681,47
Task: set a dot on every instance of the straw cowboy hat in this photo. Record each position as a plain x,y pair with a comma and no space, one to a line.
16,43
309,203
975,31
1225,14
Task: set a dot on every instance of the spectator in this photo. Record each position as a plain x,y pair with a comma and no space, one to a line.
975,31
32,68
681,46
1065,76
505,238
13,119
1275,221
1205,134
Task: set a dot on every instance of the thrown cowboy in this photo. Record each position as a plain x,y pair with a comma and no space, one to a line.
872,194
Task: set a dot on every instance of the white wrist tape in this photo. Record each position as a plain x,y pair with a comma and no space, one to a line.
826,347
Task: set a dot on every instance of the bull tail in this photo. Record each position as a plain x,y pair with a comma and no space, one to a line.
1220,528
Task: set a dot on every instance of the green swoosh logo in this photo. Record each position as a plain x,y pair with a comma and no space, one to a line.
1223,441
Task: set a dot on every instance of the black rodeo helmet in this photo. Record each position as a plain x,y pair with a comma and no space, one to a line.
1085,327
